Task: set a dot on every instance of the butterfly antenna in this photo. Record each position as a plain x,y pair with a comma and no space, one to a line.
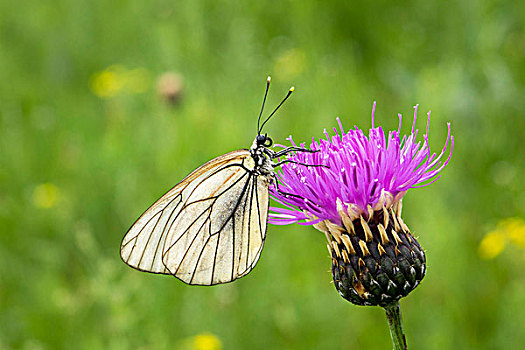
264,100
276,108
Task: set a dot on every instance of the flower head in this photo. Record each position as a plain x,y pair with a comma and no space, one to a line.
365,173
355,199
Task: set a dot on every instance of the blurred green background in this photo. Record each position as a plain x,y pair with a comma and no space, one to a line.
89,138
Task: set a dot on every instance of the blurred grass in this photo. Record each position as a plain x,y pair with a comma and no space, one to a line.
76,168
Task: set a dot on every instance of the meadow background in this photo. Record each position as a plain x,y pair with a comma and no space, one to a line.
88,142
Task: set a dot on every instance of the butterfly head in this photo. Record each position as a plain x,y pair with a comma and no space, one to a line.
263,141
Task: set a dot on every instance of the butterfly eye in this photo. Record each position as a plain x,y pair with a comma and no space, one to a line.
261,139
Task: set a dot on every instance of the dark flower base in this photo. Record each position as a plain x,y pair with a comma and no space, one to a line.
375,262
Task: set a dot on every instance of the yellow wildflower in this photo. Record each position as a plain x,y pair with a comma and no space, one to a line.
109,82
515,228
492,245
509,230
117,79
45,195
206,341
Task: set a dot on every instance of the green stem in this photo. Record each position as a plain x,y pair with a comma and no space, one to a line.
393,315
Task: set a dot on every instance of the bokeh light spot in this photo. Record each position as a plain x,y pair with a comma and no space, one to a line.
290,64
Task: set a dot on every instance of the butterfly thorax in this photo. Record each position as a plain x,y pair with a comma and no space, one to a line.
260,154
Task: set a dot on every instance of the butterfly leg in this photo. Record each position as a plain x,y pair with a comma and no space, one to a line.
286,194
293,149
298,163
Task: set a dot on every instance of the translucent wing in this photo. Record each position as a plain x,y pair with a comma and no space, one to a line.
208,229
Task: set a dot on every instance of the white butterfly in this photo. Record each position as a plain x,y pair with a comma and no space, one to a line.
210,228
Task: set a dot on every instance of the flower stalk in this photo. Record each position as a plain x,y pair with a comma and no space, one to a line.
395,323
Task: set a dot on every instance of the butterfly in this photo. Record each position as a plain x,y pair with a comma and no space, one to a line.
211,227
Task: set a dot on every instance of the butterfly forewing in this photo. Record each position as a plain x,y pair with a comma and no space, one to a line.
211,241
208,229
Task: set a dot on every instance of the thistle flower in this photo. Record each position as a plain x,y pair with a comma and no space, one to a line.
356,202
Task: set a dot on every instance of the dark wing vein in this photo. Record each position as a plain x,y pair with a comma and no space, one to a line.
262,231
218,187
214,257
249,229
244,223
192,241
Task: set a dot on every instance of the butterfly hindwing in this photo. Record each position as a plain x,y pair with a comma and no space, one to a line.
141,248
